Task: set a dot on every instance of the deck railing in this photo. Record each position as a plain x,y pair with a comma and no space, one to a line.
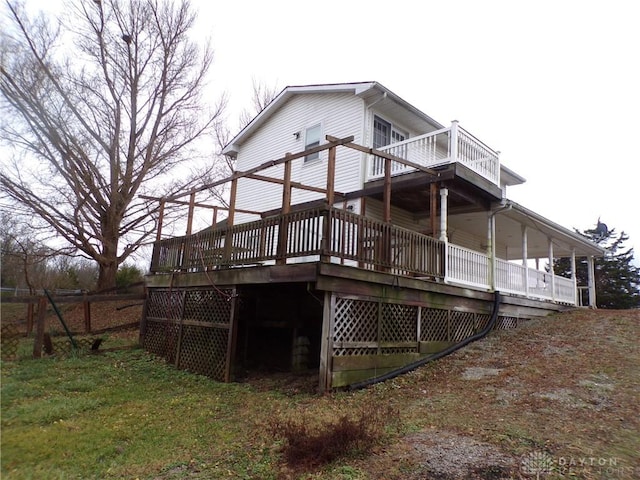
447,145
334,235
467,266
368,243
472,268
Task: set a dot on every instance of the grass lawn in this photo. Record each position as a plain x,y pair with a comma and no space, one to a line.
561,390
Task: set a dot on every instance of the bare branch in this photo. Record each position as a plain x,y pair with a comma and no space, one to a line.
98,124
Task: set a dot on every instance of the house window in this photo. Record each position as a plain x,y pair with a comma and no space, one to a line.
384,133
312,139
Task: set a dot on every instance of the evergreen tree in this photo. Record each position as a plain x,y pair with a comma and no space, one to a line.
617,279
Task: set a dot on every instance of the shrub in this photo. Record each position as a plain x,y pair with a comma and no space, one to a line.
309,445
128,275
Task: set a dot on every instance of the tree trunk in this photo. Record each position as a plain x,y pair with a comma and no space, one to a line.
107,275
108,261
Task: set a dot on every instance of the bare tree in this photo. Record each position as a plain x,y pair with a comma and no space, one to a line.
261,97
96,124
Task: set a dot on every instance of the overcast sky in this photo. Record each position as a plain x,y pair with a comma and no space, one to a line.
553,85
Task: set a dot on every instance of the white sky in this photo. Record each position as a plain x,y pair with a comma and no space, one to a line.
553,85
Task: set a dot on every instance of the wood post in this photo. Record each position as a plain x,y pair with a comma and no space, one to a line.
40,327
214,220
286,208
326,225
326,342
29,318
385,247
87,314
433,208
331,176
228,238
232,336
160,220
192,201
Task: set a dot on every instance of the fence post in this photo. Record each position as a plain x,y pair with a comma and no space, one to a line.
87,314
29,318
40,327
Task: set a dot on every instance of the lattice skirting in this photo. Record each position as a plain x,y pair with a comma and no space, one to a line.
370,327
191,329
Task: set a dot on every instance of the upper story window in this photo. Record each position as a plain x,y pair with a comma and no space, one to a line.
384,133
312,139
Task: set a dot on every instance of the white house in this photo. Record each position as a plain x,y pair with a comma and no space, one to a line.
361,235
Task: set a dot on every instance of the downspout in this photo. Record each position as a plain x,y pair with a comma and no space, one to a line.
423,361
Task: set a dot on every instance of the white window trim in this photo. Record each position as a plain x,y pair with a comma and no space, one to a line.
319,154
394,129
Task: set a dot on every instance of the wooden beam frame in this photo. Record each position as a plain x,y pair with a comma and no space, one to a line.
263,166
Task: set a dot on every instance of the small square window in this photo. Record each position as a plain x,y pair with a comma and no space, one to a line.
312,139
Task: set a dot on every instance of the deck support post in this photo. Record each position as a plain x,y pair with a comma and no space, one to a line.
573,276
326,345
592,282
525,260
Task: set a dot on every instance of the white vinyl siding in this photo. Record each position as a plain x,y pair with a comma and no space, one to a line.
339,114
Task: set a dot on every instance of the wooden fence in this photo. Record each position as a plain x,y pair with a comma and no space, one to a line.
38,310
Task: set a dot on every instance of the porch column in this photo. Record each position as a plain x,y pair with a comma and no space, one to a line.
444,192
592,282
491,250
525,260
573,276
553,277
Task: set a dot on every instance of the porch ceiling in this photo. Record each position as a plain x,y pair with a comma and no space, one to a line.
410,191
509,232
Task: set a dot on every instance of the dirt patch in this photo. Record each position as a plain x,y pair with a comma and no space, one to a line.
478,373
445,455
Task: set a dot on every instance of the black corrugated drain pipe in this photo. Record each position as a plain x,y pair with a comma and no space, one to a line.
412,366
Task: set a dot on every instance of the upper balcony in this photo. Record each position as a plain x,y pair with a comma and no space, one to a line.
440,147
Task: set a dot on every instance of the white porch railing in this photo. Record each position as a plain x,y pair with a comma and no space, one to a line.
467,266
510,277
447,145
472,268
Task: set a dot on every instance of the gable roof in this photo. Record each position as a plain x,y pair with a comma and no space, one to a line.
370,92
